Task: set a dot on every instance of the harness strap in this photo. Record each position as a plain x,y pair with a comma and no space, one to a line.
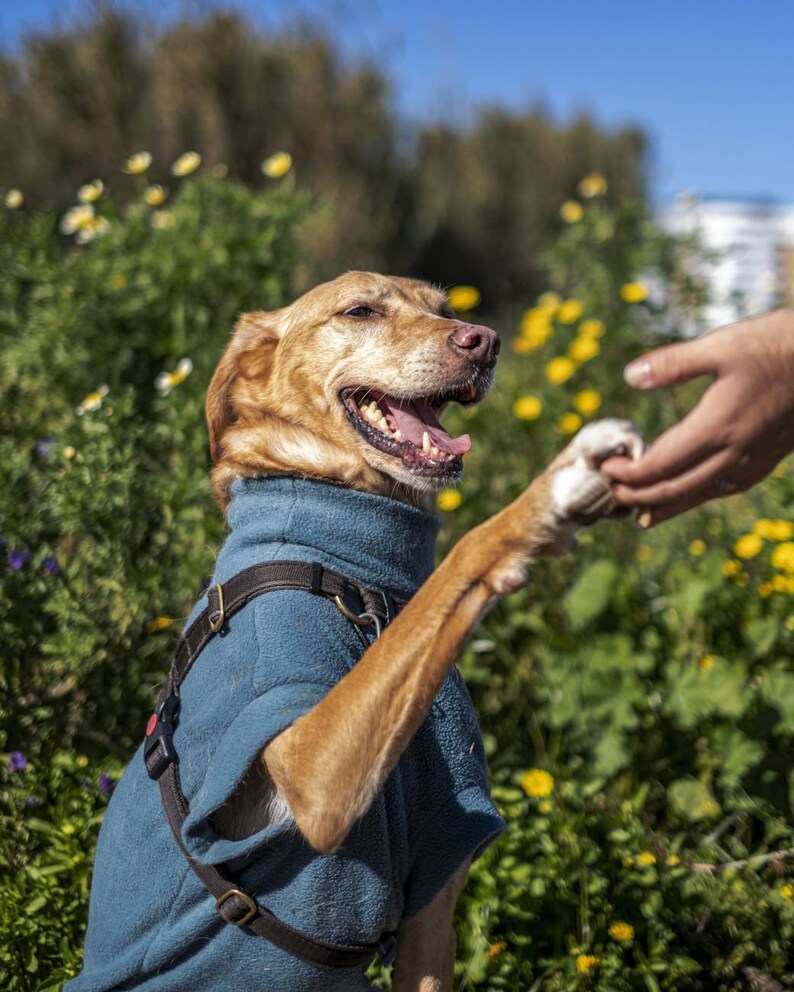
233,904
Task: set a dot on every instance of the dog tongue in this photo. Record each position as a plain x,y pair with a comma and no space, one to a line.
414,418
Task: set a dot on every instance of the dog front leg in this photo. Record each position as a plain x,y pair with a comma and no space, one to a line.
330,763
426,943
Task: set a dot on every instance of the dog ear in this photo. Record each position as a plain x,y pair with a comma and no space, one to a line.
248,353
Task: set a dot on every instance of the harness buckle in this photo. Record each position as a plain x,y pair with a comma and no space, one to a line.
359,619
244,898
160,737
218,615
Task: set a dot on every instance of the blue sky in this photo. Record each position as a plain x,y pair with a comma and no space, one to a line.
712,82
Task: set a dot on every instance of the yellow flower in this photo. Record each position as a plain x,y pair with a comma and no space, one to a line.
591,328
571,212
588,401
537,783
91,192
154,195
535,333
585,963
138,163
673,860
569,312
69,452
559,370
536,323
765,590
166,381
118,281
774,530
644,552
158,624
161,219
592,185
697,547
646,859
185,164
621,931
220,171
583,349
545,806
633,292
707,662
749,546
93,401
549,301
528,407
523,346
787,891
569,423
732,567
463,297
783,557
82,761
67,828
494,950
14,199
77,219
89,230
277,165
449,499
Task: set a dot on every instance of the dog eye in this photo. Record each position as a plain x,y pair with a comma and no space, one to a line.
360,312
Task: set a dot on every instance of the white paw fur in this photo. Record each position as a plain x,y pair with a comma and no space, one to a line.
579,491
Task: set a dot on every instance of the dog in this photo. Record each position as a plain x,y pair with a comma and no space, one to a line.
326,415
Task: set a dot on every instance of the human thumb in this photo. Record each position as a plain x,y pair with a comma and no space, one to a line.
669,365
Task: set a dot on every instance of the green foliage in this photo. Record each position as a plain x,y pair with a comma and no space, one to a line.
107,524
453,202
647,675
650,674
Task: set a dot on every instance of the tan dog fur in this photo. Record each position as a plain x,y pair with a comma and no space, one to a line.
274,407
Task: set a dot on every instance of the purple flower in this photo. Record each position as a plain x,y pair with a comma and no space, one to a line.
45,445
32,802
17,558
17,762
50,565
106,783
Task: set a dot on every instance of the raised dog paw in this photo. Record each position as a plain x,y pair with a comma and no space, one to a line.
580,493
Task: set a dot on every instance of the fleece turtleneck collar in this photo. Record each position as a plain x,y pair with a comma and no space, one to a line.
376,541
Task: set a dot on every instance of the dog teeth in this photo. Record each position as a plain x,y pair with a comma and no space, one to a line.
425,442
435,451
398,435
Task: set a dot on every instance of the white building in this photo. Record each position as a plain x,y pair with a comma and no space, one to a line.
750,245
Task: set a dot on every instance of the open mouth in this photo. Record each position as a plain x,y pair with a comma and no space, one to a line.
409,428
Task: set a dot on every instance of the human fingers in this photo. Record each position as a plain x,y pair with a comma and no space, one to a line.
672,364
653,516
697,437
669,490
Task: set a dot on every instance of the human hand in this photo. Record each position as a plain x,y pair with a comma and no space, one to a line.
741,428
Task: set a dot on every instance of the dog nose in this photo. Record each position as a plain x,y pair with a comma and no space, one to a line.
479,343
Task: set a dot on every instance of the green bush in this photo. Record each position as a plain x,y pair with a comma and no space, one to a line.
108,527
637,698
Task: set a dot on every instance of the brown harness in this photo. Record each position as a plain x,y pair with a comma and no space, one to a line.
233,904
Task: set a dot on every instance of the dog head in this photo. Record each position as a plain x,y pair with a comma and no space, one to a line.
347,384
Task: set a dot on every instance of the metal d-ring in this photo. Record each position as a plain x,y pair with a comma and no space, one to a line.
359,619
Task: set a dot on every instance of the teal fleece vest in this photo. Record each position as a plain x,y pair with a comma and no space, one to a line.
152,925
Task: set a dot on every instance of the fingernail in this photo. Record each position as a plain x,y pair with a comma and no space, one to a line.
644,519
638,374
